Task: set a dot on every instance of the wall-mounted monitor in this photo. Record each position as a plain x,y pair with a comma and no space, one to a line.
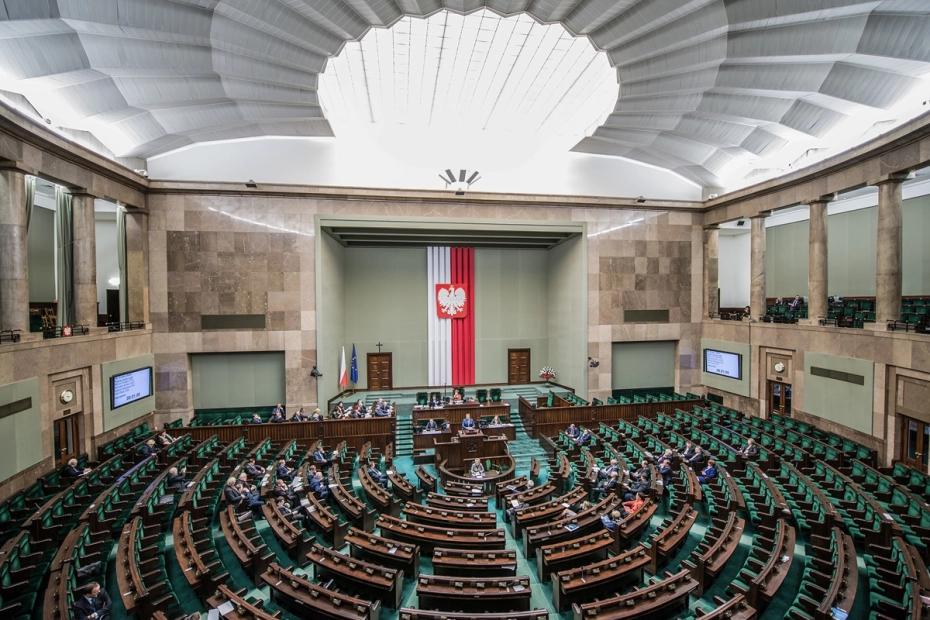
128,387
723,363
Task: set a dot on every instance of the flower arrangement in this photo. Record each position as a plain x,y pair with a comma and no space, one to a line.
547,373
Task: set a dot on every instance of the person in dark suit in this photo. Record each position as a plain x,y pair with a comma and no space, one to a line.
252,469
71,470
93,603
163,439
515,505
256,419
376,474
284,472
572,431
796,303
638,487
605,473
583,438
686,451
697,459
300,416
709,472
751,450
176,477
319,457
317,487
278,410
277,417
605,487
149,448
643,473
281,490
431,425
237,496
666,471
477,469
434,401
468,422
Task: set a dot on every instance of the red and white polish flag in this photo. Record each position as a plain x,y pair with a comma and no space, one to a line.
451,320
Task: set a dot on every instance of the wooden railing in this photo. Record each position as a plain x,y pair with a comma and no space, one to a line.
355,432
548,421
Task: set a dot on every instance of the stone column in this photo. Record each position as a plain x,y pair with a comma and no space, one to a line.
711,274
84,259
757,267
888,263
817,285
14,257
137,265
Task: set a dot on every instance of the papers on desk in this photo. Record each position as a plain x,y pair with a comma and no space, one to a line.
389,472
518,588
571,527
514,502
392,550
213,614
225,608
305,502
476,490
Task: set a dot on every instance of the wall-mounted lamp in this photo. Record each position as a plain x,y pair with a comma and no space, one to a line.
593,363
315,373
251,184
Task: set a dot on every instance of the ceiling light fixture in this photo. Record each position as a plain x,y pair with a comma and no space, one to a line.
251,184
462,182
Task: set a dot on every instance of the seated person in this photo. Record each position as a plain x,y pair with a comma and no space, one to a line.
796,303
281,490
583,438
605,487
284,472
605,473
751,449
277,417
318,487
376,474
515,504
644,472
434,400
316,416
93,603
238,496
709,472
610,521
300,416
477,469
575,509
697,459
253,469
686,451
638,487
71,470
457,396
319,457
431,425
746,312
256,419
279,410
176,477
339,411
468,422
666,471
149,448
779,301
631,506
572,431
383,410
163,439
360,406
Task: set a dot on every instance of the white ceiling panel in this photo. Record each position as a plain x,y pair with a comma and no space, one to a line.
721,91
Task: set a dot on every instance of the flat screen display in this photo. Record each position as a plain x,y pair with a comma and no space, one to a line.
723,363
131,386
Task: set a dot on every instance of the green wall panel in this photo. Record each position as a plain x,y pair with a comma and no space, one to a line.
511,310
385,301
839,401
568,314
727,384
643,364
21,432
113,418
237,379
41,255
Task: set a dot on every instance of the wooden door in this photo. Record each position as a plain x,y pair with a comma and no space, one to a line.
780,398
915,443
380,376
518,366
67,434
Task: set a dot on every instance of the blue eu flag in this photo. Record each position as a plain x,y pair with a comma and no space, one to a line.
353,373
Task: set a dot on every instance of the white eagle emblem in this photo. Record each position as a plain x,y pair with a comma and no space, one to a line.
451,300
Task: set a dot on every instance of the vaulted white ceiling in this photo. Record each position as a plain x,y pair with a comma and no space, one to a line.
708,88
